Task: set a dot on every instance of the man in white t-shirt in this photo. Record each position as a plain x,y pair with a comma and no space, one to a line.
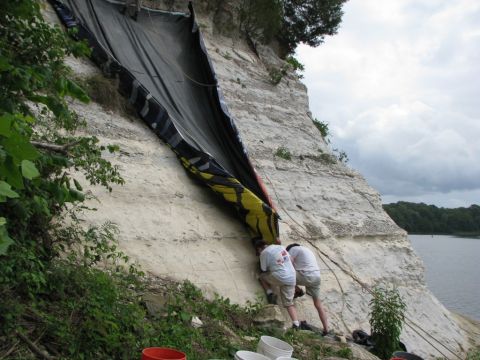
308,275
277,269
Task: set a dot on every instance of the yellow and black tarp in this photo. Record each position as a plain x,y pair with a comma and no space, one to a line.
164,70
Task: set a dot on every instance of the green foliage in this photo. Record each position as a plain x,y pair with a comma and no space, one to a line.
283,153
296,65
309,22
341,156
344,353
473,354
387,310
291,22
37,142
276,75
261,19
38,150
323,128
429,219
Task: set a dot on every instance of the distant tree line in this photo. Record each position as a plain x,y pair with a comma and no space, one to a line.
429,219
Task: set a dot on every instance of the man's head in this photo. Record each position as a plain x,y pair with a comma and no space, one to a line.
291,246
260,245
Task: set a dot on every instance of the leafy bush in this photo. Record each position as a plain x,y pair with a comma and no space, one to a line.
386,320
276,75
322,127
51,273
296,65
283,153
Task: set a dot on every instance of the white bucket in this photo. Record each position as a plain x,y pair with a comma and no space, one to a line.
274,348
285,358
249,355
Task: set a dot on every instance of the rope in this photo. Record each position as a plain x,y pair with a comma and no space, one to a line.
321,258
408,322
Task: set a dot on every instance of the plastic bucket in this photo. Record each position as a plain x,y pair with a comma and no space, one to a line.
249,355
274,348
406,356
160,353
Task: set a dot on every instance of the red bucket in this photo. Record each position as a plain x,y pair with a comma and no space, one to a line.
159,353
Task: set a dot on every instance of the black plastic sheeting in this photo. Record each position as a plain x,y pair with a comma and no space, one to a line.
164,53
163,67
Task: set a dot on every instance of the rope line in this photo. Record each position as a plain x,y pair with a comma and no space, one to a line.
321,258
310,239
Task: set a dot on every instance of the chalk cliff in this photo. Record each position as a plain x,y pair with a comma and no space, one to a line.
174,227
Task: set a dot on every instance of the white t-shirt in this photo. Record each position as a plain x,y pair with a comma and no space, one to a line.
276,260
303,259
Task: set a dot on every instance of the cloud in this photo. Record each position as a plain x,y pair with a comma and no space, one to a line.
399,86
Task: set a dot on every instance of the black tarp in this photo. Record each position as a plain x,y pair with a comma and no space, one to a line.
164,69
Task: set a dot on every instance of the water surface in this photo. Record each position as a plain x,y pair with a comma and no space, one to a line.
452,270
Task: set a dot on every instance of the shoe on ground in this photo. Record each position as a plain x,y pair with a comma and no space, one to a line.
298,293
328,333
303,326
272,298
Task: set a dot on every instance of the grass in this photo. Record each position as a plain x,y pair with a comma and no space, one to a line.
104,91
92,313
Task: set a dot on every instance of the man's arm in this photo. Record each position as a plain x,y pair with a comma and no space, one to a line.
263,262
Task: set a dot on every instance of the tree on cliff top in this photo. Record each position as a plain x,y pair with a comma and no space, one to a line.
309,22
291,22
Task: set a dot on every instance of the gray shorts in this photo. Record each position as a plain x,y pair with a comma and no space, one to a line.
286,291
311,280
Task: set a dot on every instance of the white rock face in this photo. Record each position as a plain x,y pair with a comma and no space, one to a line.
174,227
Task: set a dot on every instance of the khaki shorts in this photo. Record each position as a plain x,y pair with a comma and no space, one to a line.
311,280
286,291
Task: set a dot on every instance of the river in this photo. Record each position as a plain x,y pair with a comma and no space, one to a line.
452,270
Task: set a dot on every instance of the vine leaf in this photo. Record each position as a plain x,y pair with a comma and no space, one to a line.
5,240
5,124
29,170
6,191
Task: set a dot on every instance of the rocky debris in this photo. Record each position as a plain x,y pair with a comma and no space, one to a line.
196,322
155,303
341,338
360,353
270,316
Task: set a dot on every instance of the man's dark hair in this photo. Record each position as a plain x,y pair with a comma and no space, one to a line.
255,239
260,244
291,246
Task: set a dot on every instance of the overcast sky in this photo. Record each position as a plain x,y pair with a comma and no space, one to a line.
399,86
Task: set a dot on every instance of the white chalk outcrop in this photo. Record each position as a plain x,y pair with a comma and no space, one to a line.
174,227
